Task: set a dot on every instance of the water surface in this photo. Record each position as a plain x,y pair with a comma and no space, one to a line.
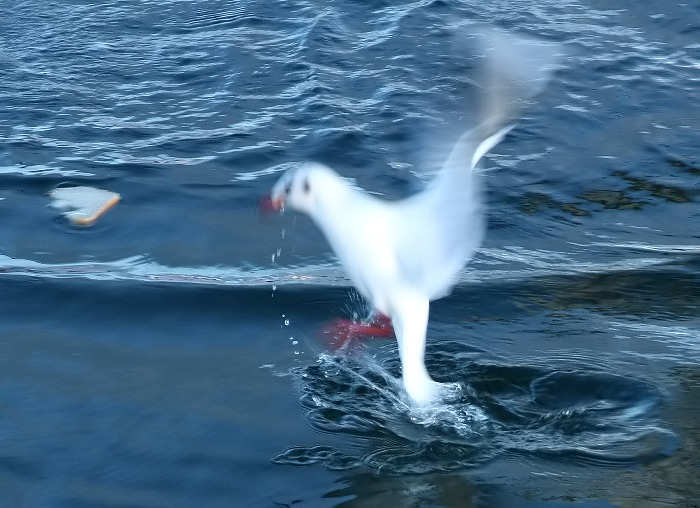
170,354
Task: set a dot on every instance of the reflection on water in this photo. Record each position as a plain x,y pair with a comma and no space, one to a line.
662,294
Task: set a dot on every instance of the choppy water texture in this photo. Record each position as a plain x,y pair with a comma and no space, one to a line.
169,355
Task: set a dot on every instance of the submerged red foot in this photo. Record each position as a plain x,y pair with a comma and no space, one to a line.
341,333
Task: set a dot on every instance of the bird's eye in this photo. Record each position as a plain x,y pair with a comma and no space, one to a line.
307,187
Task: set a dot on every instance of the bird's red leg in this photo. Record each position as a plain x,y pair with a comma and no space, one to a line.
341,332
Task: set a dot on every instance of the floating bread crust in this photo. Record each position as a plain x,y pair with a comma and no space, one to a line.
88,221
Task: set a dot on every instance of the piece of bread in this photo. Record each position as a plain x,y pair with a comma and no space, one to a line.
83,205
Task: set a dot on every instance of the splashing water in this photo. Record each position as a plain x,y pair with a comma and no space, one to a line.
542,411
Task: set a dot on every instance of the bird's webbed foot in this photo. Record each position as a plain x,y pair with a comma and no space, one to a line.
343,333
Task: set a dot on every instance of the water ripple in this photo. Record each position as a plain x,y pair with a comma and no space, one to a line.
592,416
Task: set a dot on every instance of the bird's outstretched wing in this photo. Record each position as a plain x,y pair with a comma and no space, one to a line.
437,230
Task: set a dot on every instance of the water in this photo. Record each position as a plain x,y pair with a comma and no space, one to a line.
170,354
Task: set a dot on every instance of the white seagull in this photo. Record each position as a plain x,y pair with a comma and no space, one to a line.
402,254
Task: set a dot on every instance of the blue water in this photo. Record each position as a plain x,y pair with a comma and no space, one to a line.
170,354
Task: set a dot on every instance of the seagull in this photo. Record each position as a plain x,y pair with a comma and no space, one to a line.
402,254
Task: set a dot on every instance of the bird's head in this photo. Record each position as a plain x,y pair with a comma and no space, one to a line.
301,188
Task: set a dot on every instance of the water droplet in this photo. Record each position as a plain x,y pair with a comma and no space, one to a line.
286,322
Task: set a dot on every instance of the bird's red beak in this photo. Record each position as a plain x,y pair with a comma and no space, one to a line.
269,205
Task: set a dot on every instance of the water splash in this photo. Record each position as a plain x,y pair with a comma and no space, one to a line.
544,411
